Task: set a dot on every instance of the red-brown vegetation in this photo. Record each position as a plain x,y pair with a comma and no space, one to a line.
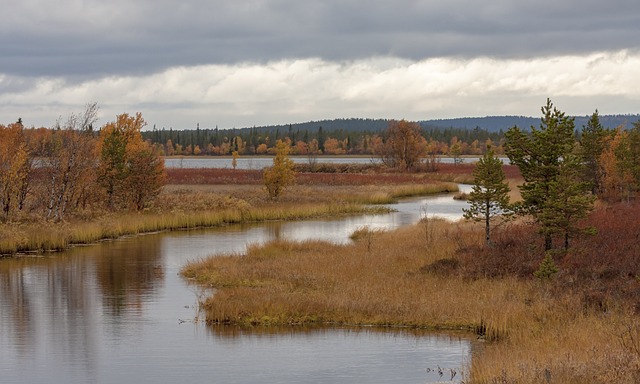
604,267
338,174
242,176
197,176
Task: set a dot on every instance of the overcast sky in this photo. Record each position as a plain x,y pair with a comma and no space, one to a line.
257,62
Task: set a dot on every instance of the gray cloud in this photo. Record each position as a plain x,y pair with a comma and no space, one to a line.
97,38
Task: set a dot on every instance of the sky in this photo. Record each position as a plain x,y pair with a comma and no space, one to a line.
260,62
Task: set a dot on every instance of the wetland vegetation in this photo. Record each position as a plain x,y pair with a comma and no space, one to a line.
553,294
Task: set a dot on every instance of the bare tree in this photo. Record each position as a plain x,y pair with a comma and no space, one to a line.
70,162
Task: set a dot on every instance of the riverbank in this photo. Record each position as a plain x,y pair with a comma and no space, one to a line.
191,202
580,326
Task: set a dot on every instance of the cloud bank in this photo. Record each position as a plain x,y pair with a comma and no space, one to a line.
260,62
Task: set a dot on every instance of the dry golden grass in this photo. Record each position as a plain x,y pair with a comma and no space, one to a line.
404,278
31,237
193,206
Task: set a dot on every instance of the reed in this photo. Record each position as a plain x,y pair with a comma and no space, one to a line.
423,189
390,194
31,237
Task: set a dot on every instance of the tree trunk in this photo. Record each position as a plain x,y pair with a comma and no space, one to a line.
487,222
548,242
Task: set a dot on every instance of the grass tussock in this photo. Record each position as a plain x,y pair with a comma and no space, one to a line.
580,326
376,282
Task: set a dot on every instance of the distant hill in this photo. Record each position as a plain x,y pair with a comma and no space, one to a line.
351,125
489,123
497,123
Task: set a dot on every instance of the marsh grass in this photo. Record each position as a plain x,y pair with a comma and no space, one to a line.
530,331
195,206
390,194
32,238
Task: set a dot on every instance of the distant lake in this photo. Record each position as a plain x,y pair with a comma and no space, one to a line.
259,162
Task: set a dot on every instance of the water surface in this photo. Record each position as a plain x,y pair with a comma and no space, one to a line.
118,312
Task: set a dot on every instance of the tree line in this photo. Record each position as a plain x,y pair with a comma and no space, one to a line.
318,141
346,136
563,175
50,173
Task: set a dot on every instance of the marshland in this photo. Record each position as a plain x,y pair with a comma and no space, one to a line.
211,265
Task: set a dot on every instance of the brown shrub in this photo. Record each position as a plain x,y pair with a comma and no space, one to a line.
600,269
516,251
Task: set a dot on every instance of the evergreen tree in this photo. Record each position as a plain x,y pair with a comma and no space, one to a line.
592,145
321,139
548,162
489,196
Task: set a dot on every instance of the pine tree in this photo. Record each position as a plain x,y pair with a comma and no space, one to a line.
592,146
548,163
489,196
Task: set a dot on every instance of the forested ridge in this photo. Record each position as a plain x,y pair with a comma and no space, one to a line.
351,136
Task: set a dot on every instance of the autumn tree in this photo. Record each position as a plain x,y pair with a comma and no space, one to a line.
634,153
70,161
620,162
489,197
234,159
146,176
548,163
312,153
432,159
403,146
455,150
281,174
15,166
130,172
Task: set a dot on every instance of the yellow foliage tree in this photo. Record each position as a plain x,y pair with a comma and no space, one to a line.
616,175
234,159
404,145
14,167
281,174
130,172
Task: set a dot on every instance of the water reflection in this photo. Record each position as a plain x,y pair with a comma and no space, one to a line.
112,312
128,273
253,162
345,355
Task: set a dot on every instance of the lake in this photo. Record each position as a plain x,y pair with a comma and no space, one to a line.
259,162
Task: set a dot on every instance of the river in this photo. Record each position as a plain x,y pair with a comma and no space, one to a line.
118,312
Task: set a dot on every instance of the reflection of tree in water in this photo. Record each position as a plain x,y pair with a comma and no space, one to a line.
128,272
15,303
274,229
46,301
52,301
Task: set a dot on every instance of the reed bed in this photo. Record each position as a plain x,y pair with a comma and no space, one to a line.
201,205
528,330
31,237
390,194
